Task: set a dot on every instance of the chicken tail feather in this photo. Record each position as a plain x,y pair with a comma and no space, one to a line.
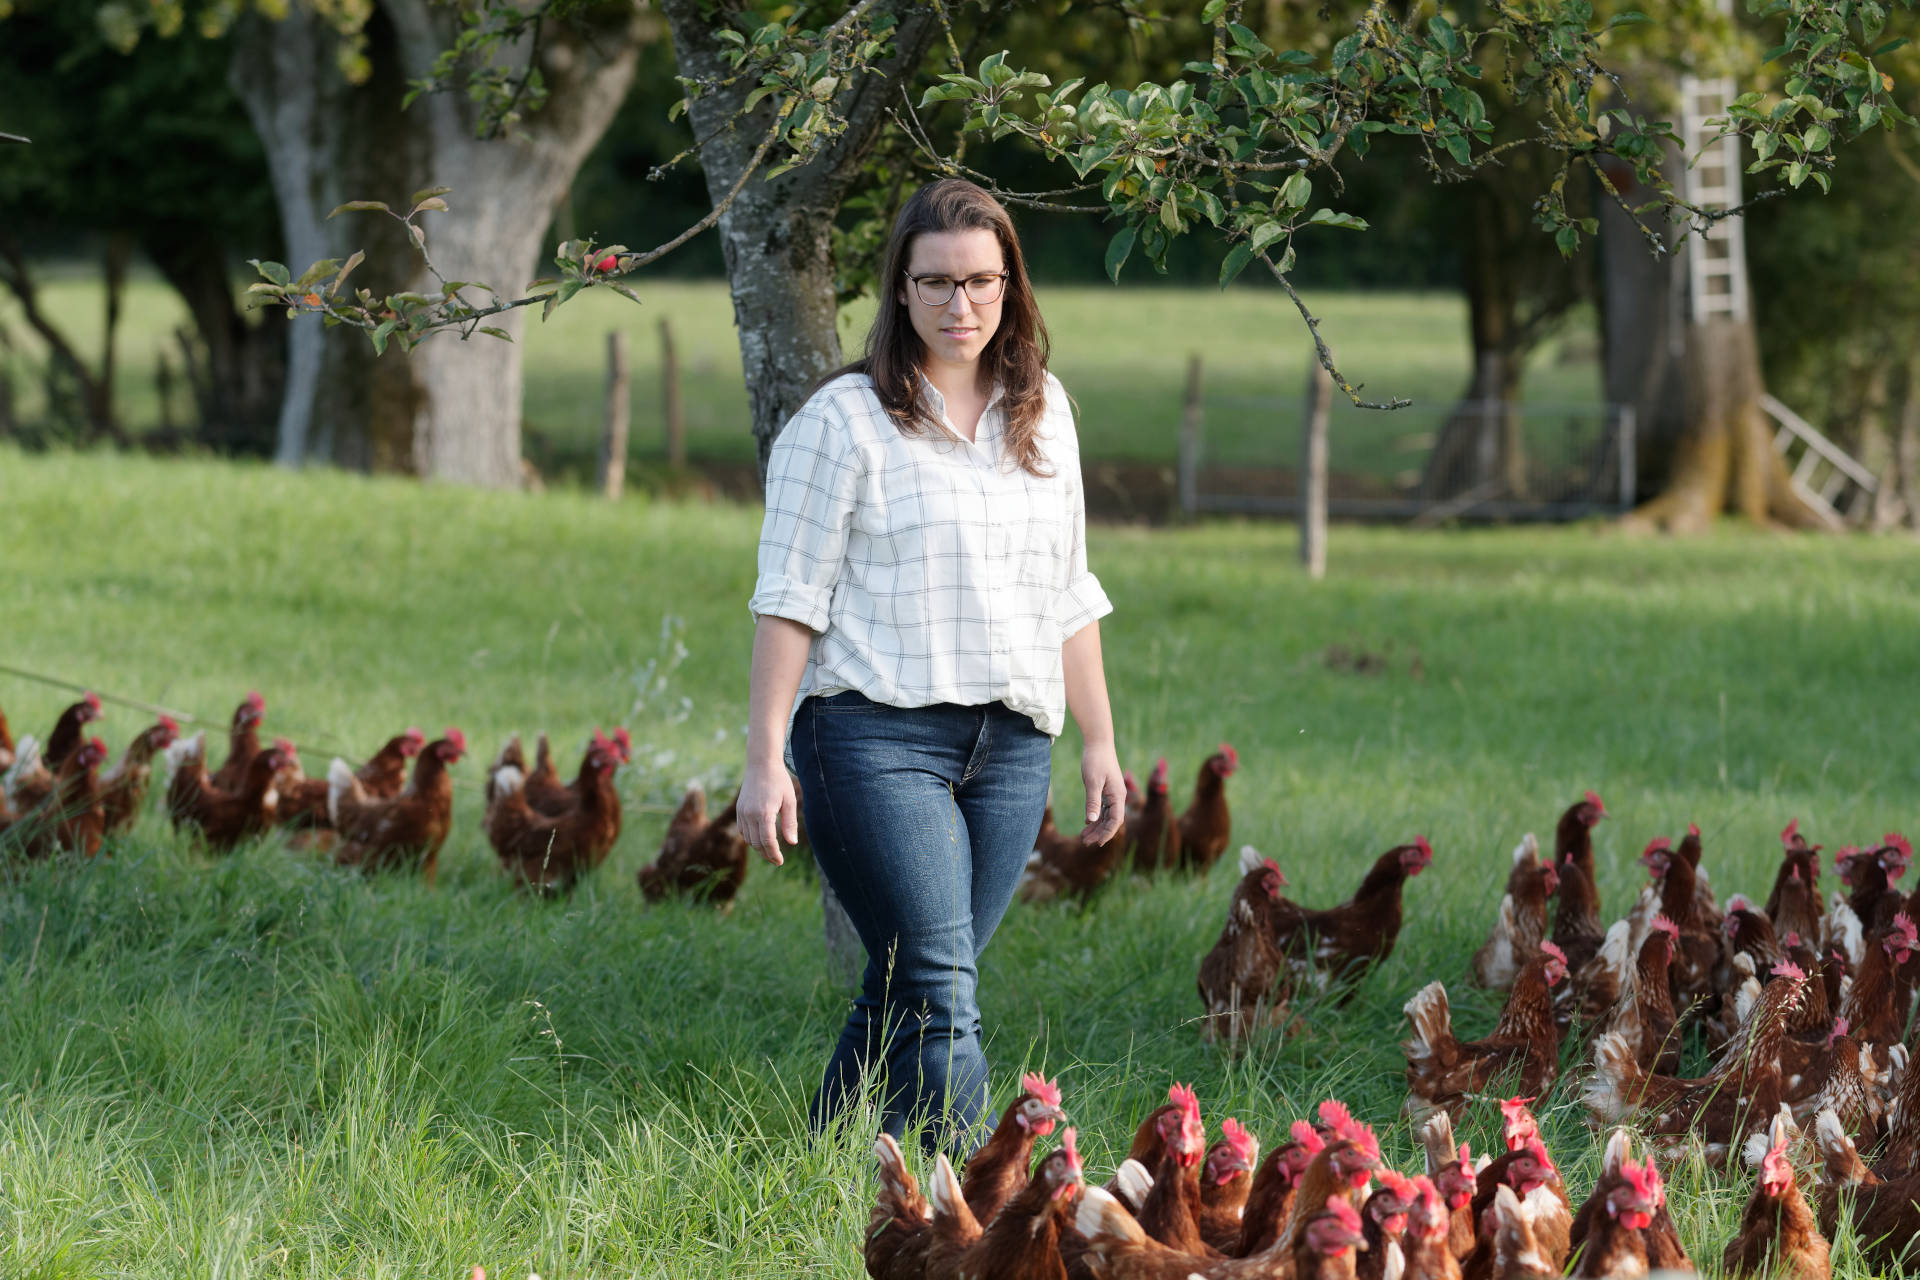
1132,1184
26,755
1432,1022
899,1193
1436,1140
1611,1092
340,782
1101,1217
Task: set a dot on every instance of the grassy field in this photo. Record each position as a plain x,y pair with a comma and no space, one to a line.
1121,352
262,1066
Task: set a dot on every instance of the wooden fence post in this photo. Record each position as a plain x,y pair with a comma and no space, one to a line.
672,413
1190,422
613,440
1313,469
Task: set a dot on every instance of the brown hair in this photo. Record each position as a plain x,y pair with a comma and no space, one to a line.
1016,355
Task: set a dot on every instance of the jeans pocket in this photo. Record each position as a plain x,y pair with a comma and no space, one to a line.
846,702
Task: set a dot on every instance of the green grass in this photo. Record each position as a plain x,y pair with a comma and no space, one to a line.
262,1066
1121,352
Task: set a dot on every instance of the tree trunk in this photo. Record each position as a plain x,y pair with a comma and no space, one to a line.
777,243
1481,445
1702,440
776,237
237,370
451,409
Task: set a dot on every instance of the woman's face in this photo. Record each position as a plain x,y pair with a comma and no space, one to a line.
958,330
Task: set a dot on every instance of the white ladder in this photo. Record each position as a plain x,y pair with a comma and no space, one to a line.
1826,477
1717,258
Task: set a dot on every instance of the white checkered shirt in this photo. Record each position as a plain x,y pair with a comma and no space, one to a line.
929,571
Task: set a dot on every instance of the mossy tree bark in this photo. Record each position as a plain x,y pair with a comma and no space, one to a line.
449,410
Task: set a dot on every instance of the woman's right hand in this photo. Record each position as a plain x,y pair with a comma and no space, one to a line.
767,809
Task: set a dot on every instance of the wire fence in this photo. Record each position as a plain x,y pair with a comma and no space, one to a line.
1468,460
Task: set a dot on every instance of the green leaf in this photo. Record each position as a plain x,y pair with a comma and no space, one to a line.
1457,148
1245,39
1237,259
1765,143
1869,114
1631,18
1296,191
380,333
360,206
1117,250
1214,8
359,256
1816,138
427,193
1265,234
1797,172
492,332
313,274
272,271
1568,240
432,204
1329,218
1169,216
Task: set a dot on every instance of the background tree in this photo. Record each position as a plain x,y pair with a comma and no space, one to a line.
91,178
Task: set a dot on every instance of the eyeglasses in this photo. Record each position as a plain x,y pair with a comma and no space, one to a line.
937,291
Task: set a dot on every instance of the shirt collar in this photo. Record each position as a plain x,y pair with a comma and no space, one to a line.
989,425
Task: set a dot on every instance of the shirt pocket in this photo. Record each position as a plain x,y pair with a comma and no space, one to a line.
1045,537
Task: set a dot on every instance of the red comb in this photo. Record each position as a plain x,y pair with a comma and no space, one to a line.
1840,1027
1789,970
1897,842
1398,1183
1420,843
1348,1215
92,699
1184,1098
1660,844
1046,1090
1553,949
457,738
1903,925
255,701
1334,1114
1793,939
1593,798
1693,829
169,724
1788,832
415,731
1233,757
1305,1134
1739,902
1466,1156
1069,1144
1243,1143
1644,1179
1666,926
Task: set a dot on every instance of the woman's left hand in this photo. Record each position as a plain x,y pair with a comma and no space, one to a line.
1106,793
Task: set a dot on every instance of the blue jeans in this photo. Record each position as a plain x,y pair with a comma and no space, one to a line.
922,821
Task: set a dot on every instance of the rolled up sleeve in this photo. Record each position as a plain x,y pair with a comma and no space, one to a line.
812,478
1083,599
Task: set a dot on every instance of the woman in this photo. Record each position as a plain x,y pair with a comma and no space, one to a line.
925,611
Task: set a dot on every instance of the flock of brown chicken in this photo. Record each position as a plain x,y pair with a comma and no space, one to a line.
1804,1010
1321,1206
546,832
